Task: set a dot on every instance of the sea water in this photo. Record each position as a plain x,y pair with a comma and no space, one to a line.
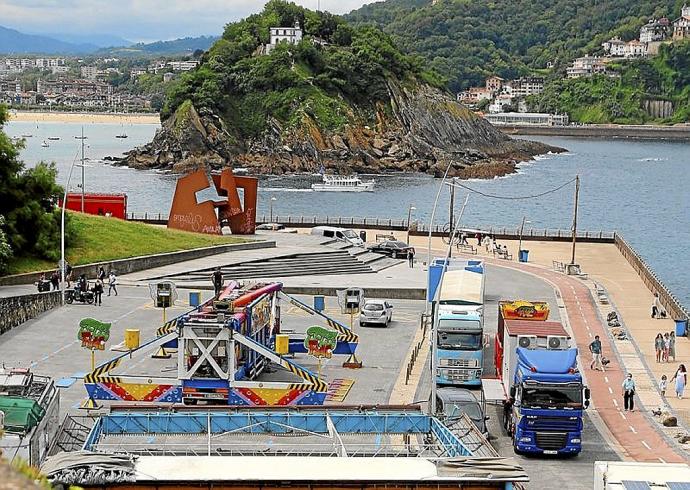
639,188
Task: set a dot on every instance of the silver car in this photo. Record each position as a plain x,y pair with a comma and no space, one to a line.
376,312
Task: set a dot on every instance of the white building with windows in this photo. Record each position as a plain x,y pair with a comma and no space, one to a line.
290,35
614,46
586,66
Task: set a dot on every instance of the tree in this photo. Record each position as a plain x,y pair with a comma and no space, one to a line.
5,249
27,202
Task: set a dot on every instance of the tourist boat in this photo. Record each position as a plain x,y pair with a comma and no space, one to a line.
344,183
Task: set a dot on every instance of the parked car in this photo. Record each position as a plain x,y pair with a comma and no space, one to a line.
276,227
393,248
376,311
342,234
452,402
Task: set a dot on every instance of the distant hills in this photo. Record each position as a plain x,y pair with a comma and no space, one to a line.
15,42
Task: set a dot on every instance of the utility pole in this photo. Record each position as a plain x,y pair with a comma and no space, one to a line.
577,196
82,169
451,207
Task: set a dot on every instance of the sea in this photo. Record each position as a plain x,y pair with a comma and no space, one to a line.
639,188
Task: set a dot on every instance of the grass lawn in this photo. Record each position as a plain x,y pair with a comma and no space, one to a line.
98,239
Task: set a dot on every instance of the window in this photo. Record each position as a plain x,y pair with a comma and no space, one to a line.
349,234
460,341
328,233
373,307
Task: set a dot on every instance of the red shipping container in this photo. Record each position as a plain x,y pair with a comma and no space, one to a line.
99,204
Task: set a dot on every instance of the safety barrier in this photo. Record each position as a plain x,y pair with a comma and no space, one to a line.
424,325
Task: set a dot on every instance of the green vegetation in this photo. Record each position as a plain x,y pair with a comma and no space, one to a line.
30,224
98,239
334,68
469,40
605,99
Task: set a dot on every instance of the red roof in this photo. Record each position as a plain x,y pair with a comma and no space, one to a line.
530,327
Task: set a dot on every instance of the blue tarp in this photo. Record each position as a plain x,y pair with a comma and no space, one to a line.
546,361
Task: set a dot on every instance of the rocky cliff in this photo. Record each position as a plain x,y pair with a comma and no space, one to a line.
421,130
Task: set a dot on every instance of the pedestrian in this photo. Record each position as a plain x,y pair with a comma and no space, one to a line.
101,274
656,306
667,346
98,292
217,280
629,393
663,384
55,280
112,282
479,239
595,349
681,378
410,257
672,345
659,346
68,274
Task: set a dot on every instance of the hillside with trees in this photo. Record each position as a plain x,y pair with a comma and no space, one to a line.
468,40
339,96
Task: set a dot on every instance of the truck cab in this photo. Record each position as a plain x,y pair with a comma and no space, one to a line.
459,348
547,398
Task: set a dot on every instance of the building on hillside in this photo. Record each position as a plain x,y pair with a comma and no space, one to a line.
183,65
75,87
681,26
167,77
586,66
635,49
527,118
59,69
614,46
494,84
655,30
10,86
89,72
474,95
290,35
501,103
135,72
525,86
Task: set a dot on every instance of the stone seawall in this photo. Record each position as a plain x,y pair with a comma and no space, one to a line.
135,264
15,310
681,133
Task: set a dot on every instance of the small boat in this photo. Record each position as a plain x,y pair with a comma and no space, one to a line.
122,136
81,137
53,138
344,183
45,144
27,135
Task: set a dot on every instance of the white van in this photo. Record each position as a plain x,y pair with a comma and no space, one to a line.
343,234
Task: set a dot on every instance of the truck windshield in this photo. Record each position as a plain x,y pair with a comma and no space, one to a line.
459,341
552,396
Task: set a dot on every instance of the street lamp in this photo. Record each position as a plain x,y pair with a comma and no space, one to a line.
409,217
522,227
63,264
270,207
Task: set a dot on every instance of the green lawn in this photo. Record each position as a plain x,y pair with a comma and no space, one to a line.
98,239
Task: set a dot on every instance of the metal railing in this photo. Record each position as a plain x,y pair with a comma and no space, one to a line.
668,300
424,326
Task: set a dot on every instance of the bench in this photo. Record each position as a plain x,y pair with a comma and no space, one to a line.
503,255
467,248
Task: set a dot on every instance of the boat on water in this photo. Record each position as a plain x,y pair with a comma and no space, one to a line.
81,137
343,183
53,138
122,136
45,144
27,135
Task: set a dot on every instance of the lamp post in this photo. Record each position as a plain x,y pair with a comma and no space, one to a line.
270,207
409,217
63,264
522,227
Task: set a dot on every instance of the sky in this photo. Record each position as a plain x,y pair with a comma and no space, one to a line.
140,20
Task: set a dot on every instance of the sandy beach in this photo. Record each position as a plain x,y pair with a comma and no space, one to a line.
84,117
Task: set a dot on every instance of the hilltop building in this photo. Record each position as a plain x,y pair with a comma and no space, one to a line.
525,86
681,26
655,30
586,66
290,35
620,49
614,46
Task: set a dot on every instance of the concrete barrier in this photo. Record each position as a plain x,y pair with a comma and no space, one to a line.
602,131
134,264
15,310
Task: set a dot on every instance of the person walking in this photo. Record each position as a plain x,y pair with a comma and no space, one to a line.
98,292
112,283
101,274
667,345
672,345
55,280
681,379
659,346
656,306
595,349
217,280
663,384
68,274
629,393
410,258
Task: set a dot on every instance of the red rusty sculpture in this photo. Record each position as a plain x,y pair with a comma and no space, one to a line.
210,216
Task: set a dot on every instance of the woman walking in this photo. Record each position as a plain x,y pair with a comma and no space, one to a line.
659,346
672,345
681,378
629,393
667,346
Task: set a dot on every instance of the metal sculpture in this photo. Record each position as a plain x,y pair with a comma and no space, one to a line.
210,216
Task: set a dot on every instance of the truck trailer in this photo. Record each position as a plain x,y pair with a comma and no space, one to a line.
544,393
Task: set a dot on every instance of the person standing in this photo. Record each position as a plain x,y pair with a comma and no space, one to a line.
410,258
659,346
55,280
629,393
68,274
681,378
112,283
595,349
672,345
217,280
667,346
101,274
98,292
663,384
656,306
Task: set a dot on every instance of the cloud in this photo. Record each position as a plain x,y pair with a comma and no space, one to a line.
140,19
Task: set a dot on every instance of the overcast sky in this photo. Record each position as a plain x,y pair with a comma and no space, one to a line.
140,20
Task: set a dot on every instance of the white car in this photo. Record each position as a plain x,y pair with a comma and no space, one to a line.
376,312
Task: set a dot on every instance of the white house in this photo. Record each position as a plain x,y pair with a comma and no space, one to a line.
291,35
614,46
635,49
586,66
655,30
681,26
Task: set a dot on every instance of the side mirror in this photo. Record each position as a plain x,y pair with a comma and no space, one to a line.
588,393
486,417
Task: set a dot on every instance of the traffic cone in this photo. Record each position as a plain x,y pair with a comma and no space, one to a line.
352,362
161,353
